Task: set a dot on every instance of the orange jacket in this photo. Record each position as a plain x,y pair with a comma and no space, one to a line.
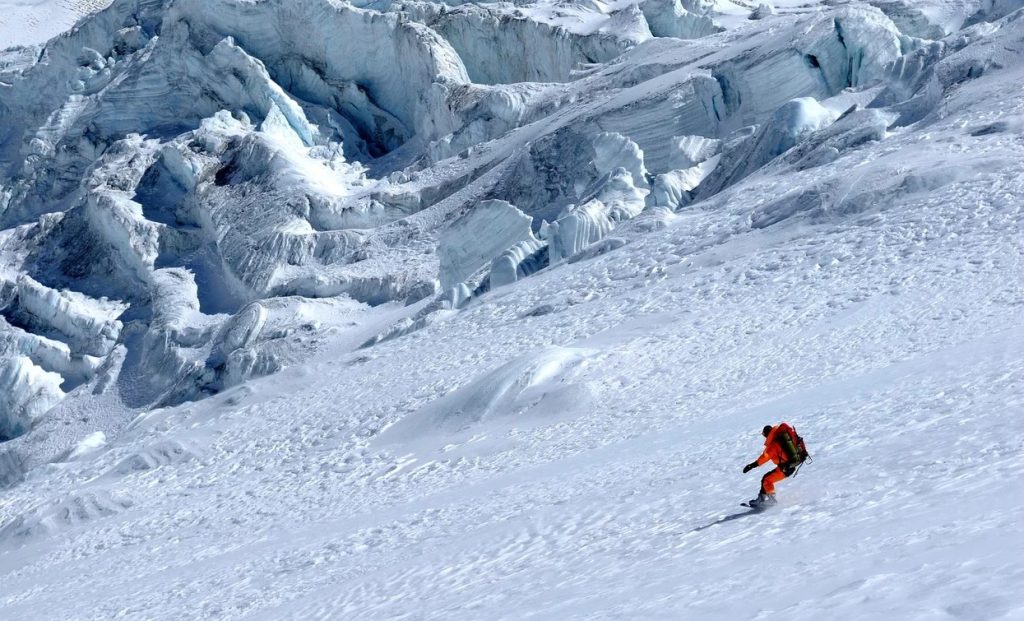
773,451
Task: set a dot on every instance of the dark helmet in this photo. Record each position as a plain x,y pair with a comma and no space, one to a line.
767,429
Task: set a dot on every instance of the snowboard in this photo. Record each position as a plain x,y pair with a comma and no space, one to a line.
756,507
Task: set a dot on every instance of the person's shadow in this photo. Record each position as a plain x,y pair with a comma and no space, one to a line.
729,518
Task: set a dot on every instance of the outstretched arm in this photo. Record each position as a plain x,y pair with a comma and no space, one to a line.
758,462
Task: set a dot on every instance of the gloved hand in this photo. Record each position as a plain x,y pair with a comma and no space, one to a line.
749,467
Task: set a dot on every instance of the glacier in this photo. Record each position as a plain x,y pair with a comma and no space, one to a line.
444,309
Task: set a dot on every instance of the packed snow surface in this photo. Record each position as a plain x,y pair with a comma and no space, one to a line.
398,309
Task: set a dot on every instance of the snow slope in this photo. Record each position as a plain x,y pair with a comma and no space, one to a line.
305,345
33,22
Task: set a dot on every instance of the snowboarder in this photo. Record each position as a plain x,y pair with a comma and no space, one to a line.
786,450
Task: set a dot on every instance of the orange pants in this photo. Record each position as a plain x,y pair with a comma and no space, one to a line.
769,480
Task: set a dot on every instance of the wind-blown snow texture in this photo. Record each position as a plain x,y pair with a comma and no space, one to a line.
311,309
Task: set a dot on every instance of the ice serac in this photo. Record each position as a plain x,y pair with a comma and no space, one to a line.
694,150
28,392
522,259
486,112
51,341
485,231
682,19
934,19
853,129
402,65
787,127
88,326
672,189
264,337
762,10
581,226
852,48
499,46
617,194
613,151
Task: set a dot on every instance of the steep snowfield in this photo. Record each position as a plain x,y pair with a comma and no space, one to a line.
310,310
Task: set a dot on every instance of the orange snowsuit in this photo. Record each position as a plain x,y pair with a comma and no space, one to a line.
774,452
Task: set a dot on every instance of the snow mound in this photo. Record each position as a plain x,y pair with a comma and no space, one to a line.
162,453
65,513
534,387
